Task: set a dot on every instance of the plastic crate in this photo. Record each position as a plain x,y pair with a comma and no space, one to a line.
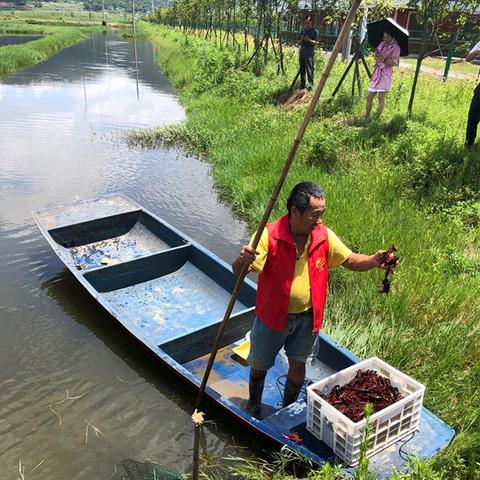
343,435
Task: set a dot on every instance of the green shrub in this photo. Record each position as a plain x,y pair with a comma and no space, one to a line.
326,146
210,69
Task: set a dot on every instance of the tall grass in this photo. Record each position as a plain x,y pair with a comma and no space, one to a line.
18,27
18,57
403,181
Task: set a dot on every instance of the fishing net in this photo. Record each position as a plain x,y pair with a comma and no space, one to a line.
132,470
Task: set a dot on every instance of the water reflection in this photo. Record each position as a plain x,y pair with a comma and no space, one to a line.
59,121
136,66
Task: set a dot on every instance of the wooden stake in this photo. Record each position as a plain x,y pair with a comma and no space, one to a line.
273,198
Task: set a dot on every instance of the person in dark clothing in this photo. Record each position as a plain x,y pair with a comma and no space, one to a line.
474,112
307,41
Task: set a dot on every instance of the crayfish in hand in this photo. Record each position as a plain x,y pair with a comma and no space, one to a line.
390,262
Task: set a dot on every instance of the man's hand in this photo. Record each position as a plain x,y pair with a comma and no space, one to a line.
472,55
386,259
381,259
246,257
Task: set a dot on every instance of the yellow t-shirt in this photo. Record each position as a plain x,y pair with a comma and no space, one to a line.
300,299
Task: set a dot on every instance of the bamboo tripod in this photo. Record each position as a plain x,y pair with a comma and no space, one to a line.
263,44
357,57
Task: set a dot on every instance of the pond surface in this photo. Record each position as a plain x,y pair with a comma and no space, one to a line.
17,39
65,366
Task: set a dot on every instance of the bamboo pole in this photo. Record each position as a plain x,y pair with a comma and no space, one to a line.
273,198
196,452
197,418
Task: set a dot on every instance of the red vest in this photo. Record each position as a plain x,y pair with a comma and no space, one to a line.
275,281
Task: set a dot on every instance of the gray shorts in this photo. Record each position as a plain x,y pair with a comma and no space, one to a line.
297,338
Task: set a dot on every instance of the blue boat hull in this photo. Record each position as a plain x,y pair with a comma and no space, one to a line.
170,294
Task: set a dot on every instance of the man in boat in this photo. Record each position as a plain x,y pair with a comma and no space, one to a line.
292,258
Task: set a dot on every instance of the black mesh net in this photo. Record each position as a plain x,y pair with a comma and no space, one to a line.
132,470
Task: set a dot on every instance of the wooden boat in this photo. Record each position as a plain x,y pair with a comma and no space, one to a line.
170,293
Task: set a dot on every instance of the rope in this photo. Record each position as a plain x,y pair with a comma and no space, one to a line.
402,454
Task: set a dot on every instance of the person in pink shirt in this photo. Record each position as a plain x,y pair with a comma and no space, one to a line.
387,56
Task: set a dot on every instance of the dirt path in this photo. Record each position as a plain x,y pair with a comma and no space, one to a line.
438,72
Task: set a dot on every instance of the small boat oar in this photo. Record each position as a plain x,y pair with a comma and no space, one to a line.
273,198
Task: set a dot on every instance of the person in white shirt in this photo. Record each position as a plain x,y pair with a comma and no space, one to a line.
474,112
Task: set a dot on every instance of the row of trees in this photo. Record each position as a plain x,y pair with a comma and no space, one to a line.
234,22
144,6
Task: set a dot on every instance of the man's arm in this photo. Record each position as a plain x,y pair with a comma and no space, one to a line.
358,262
312,41
472,55
309,40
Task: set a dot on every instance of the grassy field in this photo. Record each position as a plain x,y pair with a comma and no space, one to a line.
61,13
398,180
54,38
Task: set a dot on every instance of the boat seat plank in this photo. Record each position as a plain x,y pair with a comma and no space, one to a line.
197,344
82,233
136,272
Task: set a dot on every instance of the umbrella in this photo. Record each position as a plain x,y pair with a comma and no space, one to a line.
376,30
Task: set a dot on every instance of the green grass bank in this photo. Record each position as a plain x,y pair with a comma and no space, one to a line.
64,13
398,180
19,57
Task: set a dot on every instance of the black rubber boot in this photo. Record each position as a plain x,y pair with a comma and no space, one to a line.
291,392
255,390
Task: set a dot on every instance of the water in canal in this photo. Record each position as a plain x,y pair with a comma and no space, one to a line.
75,394
17,39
